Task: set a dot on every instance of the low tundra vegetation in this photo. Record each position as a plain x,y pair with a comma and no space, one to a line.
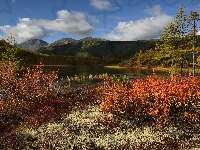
36,112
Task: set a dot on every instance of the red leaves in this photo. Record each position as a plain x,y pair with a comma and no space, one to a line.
27,94
149,96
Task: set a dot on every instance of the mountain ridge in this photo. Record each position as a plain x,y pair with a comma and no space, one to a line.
32,44
61,41
95,47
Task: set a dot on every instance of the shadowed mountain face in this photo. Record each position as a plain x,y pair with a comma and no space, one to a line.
33,44
97,47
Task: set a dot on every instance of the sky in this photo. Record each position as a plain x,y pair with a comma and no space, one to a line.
114,20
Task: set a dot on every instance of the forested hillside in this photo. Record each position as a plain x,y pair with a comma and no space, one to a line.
29,58
97,47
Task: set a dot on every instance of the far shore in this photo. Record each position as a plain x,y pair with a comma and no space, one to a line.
61,66
158,68
188,69
115,66
110,66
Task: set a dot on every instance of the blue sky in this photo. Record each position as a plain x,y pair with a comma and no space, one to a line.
119,20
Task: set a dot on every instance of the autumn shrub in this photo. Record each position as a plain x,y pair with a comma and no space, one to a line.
80,97
154,99
37,97
24,96
8,135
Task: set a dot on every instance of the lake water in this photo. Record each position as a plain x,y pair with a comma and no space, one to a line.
71,71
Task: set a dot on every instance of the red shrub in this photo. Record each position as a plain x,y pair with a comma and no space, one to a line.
8,137
149,97
36,97
25,95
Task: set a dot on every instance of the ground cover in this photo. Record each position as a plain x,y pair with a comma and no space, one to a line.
111,113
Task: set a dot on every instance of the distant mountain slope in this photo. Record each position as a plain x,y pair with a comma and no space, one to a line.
62,41
33,44
97,47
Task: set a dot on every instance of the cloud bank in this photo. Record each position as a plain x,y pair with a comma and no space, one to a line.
82,24
146,28
75,23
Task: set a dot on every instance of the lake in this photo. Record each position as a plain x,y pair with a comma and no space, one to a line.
71,71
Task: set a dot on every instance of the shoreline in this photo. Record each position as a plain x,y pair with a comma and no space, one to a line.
115,66
163,69
61,66
185,70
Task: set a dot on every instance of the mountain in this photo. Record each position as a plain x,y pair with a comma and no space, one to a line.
97,47
62,41
33,44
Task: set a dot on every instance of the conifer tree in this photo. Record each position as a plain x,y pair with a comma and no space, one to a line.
174,39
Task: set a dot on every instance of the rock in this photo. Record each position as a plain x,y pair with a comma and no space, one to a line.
33,44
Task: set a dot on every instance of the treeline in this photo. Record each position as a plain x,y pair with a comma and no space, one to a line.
93,52
28,58
151,58
96,47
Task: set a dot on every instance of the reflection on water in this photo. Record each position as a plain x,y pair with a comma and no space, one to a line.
65,71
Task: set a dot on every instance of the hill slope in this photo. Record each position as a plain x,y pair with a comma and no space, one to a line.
33,44
97,47
62,41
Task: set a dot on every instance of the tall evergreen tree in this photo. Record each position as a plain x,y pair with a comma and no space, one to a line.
174,39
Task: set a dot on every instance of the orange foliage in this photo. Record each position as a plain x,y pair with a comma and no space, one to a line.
150,96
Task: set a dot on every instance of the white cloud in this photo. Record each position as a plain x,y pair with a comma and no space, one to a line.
146,28
13,1
101,4
23,31
75,23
